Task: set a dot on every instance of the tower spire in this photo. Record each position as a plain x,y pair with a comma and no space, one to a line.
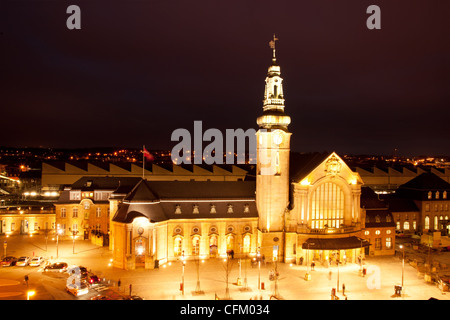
272,45
273,104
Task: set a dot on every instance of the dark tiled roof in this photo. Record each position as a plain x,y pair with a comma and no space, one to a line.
419,187
370,200
427,181
103,183
397,204
164,200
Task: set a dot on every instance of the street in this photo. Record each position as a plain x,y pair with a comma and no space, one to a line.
207,280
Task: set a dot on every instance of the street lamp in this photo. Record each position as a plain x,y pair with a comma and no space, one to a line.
403,263
58,232
30,294
258,255
74,233
183,262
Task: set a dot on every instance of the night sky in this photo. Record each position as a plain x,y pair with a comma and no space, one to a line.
137,70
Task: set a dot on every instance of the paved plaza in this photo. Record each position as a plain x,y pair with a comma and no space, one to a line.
209,278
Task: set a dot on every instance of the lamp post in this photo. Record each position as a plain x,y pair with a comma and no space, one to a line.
258,257
74,233
30,294
58,231
182,274
403,264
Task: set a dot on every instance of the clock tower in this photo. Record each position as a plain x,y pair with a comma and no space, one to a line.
273,148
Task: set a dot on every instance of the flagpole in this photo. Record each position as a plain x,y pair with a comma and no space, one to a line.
143,161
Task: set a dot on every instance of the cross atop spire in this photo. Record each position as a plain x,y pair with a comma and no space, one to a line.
272,45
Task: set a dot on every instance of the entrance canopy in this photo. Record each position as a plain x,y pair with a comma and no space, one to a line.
334,243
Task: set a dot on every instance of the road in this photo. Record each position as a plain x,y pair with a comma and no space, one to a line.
164,283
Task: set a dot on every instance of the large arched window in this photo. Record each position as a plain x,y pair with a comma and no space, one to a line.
327,206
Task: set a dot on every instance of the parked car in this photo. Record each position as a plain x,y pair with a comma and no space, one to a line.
23,261
93,280
100,297
8,261
56,267
73,269
36,261
78,290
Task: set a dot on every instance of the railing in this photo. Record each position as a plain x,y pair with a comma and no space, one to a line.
343,229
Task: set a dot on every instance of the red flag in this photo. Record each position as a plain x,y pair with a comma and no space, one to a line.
148,155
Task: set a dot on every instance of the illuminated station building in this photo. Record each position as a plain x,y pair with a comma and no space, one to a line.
300,208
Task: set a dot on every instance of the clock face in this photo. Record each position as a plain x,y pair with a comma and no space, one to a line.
278,138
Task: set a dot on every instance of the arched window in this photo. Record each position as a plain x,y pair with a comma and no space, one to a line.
196,245
327,206
230,242
247,243
436,227
406,225
427,222
177,246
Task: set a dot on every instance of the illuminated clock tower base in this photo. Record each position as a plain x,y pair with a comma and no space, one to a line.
271,245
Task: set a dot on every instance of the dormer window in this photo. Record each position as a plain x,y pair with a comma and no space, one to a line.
388,218
213,209
437,194
377,219
177,209
444,195
230,208
430,195
246,208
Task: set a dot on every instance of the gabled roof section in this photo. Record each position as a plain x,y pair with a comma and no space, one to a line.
312,167
141,192
301,164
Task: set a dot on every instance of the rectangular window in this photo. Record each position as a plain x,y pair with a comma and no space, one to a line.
388,243
378,243
75,213
98,212
63,212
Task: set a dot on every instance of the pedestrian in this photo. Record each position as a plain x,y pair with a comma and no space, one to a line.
343,289
232,254
329,275
301,260
26,279
313,265
119,283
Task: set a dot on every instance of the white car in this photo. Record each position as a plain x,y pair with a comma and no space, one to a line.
36,261
23,261
78,290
